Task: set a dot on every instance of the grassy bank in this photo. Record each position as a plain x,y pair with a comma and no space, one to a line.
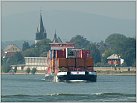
116,73
99,72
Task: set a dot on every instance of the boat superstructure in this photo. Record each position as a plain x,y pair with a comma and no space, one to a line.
67,63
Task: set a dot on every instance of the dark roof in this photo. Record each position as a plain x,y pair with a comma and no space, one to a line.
114,56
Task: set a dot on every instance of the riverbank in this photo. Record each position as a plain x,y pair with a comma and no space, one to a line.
116,73
122,73
99,70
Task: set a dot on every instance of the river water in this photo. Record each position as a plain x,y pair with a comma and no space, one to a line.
33,88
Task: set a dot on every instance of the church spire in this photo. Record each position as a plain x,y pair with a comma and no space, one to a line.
55,35
41,31
41,26
56,39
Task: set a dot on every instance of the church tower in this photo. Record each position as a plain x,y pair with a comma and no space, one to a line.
41,31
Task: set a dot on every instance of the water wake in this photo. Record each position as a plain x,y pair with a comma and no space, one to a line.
69,94
61,97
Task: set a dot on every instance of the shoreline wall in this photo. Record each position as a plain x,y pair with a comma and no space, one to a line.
115,69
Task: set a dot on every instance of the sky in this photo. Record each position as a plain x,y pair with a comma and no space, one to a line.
116,9
11,10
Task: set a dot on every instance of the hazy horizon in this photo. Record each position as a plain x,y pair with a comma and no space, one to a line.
93,20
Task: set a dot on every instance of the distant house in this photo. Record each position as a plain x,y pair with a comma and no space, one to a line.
10,50
115,59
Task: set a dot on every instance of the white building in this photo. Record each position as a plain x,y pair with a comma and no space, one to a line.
40,63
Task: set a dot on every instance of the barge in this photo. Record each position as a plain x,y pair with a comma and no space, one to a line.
66,63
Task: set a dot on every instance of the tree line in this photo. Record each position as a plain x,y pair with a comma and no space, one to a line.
113,44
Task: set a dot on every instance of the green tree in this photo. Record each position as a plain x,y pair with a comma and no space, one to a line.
28,70
130,56
17,58
123,46
101,46
106,54
44,54
15,69
5,68
129,52
25,46
32,52
95,53
33,71
80,42
39,49
116,42
44,42
43,45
